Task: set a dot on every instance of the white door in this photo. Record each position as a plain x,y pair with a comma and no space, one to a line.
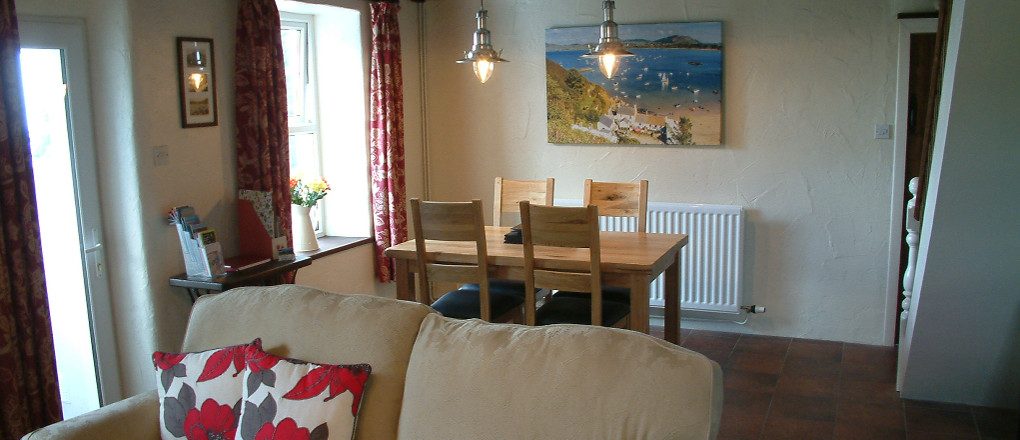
55,84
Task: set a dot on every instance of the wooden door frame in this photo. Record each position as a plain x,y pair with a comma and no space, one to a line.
907,27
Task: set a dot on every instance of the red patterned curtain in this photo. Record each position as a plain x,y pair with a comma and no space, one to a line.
28,367
263,153
387,135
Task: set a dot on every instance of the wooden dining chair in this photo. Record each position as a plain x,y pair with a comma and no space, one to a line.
509,193
619,199
457,221
616,199
566,227
506,200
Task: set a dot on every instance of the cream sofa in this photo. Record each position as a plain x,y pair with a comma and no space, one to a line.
440,378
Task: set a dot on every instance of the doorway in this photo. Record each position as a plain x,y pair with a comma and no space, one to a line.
915,63
55,86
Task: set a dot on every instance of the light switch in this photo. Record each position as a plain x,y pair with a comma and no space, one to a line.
883,131
160,155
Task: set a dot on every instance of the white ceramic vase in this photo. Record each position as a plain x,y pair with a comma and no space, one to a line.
304,233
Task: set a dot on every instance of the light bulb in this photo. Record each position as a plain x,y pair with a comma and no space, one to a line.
608,64
483,69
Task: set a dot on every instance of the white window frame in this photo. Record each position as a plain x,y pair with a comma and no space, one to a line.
308,122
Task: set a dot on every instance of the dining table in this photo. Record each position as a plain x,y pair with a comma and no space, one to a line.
628,259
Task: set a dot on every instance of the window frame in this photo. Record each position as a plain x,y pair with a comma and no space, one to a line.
307,123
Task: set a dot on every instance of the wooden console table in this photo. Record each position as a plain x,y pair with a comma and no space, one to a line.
266,274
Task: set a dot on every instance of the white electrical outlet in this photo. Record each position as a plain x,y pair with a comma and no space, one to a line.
883,131
160,155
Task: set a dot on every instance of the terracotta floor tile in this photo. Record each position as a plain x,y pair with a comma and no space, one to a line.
781,428
807,386
810,408
746,402
755,362
811,368
867,414
857,431
749,381
815,350
880,393
939,436
762,344
699,341
932,420
869,354
735,425
876,372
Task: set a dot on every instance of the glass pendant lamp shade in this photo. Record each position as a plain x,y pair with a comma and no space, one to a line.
482,56
610,49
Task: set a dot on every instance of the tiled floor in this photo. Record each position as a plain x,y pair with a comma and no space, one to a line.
781,388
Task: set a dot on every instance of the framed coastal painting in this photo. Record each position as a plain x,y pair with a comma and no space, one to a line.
197,80
669,93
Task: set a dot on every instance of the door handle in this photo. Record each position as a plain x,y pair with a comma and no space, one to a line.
93,248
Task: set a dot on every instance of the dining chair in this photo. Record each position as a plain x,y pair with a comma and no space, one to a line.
509,193
566,227
619,199
616,199
457,221
506,200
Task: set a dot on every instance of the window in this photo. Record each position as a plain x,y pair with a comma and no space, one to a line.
303,122
327,109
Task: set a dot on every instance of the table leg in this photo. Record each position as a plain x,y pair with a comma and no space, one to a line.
405,284
672,294
639,302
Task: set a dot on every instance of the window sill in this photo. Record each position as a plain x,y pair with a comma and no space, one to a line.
330,245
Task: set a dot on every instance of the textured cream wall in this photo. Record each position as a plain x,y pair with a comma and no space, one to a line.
804,83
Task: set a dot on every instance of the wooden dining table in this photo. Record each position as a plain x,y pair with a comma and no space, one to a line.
629,259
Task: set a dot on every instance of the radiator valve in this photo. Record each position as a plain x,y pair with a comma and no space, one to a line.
753,309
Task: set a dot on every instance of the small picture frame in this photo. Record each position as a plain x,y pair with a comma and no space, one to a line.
197,81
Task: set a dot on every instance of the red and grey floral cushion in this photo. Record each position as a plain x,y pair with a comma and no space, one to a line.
200,393
291,399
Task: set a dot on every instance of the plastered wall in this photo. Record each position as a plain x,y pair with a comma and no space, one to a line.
804,82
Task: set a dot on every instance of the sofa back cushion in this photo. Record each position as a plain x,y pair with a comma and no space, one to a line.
321,327
471,379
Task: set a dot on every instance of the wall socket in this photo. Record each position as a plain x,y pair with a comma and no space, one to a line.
883,131
160,155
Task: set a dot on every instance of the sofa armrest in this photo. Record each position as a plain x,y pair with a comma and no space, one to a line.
133,418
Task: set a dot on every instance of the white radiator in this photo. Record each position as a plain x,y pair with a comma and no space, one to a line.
710,264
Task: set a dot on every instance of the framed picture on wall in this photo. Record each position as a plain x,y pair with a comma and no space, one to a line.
197,80
668,93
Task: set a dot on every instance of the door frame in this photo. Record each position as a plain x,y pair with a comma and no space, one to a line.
897,233
69,35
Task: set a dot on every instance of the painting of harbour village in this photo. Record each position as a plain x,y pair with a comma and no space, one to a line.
669,93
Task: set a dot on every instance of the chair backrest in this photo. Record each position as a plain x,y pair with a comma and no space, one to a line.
450,221
619,199
566,227
509,193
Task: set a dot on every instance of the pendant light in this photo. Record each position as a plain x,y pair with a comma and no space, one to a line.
482,56
610,49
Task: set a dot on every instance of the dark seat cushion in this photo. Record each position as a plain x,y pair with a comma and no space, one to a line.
515,288
615,294
572,310
466,304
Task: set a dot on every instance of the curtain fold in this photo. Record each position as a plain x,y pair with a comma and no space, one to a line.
387,136
28,370
263,153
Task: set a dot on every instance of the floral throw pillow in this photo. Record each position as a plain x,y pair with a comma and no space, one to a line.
200,393
292,399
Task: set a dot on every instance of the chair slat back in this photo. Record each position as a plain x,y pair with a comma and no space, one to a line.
619,199
450,221
509,193
561,227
